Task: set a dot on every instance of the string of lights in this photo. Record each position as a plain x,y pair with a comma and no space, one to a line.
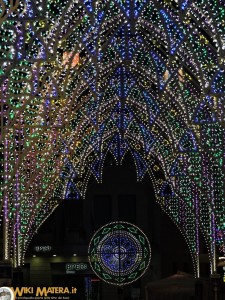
80,80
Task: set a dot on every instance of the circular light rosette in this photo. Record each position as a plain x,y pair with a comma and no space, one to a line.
119,253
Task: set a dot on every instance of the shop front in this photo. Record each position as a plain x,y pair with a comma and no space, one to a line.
77,275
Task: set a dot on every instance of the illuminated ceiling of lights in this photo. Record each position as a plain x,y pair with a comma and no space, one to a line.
84,79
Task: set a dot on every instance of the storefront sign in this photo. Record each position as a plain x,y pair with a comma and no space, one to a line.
73,268
42,249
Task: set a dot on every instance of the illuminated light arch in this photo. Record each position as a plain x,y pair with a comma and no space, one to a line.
55,116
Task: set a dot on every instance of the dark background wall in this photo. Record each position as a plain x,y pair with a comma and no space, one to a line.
120,197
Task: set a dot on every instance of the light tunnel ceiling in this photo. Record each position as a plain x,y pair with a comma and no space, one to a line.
84,79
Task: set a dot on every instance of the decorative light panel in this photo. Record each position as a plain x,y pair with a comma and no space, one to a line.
119,253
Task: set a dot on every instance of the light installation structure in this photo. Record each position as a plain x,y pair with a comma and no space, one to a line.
83,79
119,253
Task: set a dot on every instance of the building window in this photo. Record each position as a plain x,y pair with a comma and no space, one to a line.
127,208
102,210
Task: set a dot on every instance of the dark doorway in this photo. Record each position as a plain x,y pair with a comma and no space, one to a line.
88,286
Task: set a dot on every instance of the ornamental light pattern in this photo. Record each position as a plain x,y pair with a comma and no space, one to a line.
83,79
119,253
